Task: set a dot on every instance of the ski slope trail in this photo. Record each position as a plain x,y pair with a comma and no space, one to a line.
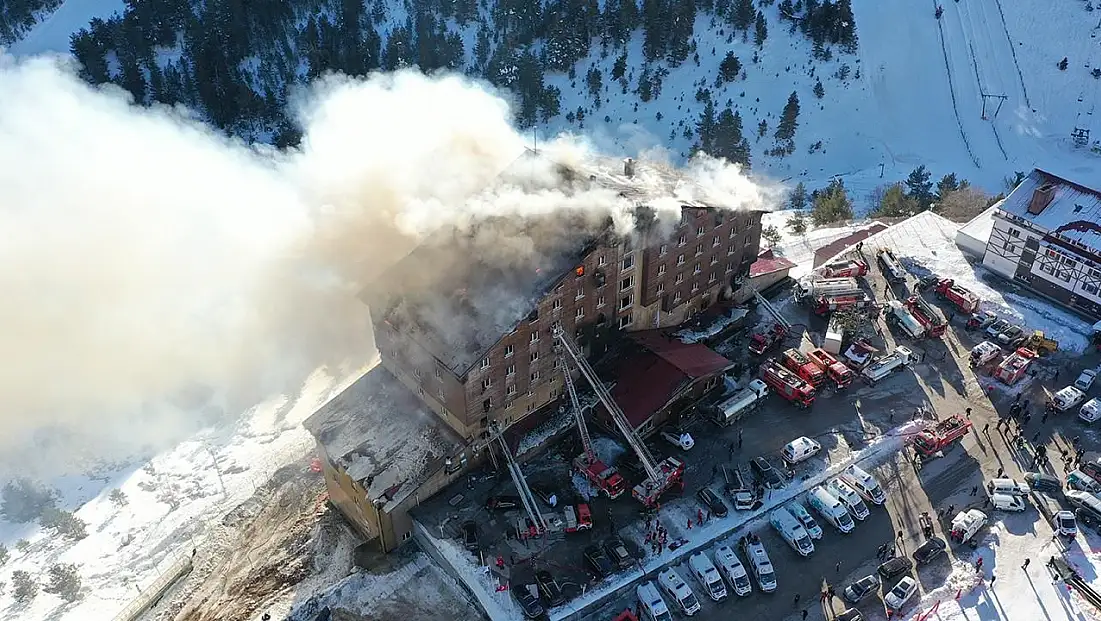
967,84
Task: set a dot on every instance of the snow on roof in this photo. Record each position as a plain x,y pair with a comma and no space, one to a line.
829,252
925,244
382,435
767,262
1074,211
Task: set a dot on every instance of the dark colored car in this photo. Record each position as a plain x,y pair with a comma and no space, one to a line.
712,501
618,553
470,535
1088,517
862,588
549,588
503,503
527,595
929,550
767,475
894,567
1043,482
598,562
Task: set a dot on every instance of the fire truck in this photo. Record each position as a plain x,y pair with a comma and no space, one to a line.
660,476
964,300
774,337
892,269
944,433
838,373
849,268
1015,366
927,315
848,301
787,384
812,288
802,366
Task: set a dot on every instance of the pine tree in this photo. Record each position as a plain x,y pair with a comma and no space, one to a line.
64,582
771,234
682,21
761,30
895,203
4,554
832,204
762,129
594,80
948,183
743,14
819,92
920,188
728,142
655,24
789,119
730,67
797,223
25,588
797,200
705,128
620,67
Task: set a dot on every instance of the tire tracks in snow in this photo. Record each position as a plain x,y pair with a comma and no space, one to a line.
952,91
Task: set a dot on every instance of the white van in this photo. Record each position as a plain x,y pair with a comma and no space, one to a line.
1008,487
704,571
1067,398
1007,502
759,562
675,587
831,509
849,498
1091,410
865,484
800,449
800,513
651,604
733,570
792,531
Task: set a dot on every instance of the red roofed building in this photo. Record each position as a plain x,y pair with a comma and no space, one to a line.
659,376
766,271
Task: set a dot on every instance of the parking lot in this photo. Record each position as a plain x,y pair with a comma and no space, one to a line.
842,422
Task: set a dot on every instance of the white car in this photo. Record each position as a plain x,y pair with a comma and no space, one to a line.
901,594
1065,523
800,449
678,438
1067,398
1085,379
1091,411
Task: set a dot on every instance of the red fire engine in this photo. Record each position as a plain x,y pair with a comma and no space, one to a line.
761,343
947,431
928,316
838,373
964,300
830,303
802,366
787,384
850,268
1014,366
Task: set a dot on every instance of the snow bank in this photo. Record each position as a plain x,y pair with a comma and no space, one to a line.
479,580
717,326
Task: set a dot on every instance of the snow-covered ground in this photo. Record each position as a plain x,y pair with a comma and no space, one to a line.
51,34
799,249
127,547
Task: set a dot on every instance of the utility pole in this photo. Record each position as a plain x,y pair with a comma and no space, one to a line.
881,170
217,468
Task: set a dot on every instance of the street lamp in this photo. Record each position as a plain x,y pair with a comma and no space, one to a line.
378,502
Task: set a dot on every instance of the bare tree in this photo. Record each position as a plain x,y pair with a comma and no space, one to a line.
963,204
875,196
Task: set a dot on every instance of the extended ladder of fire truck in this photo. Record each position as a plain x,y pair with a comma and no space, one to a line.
763,302
526,497
582,428
645,458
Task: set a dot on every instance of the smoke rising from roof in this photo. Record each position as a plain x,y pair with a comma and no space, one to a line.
147,256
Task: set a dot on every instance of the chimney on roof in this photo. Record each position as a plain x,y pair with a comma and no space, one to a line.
1041,198
629,167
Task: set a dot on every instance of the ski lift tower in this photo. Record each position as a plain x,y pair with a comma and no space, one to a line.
659,476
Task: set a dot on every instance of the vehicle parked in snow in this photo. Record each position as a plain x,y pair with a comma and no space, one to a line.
899,315
1040,482
931,549
1012,337
966,524
759,562
1085,379
830,508
549,588
651,604
857,591
800,449
712,501
1005,486
1067,398
598,562
679,591
849,498
617,551
900,594
997,327
865,484
852,614
791,531
839,374
894,567
733,570
743,495
680,439
1065,524
885,365
741,403
1076,479
527,596
707,575
766,474
1008,502
800,513
980,320
983,354
1090,411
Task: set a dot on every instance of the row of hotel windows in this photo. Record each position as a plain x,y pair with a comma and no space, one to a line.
1062,267
683,241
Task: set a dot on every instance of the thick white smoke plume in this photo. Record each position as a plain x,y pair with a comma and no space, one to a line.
146,256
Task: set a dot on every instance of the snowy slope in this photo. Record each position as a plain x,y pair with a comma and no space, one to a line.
51,34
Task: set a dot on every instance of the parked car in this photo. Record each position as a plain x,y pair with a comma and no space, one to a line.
712,501
618,553
1041,482
1011,337
981,320
598,562
901,593
996,328
469,532
766,474
1065,524
852,614
549,588
503,503
527,595
862,588
929,550
680,439
894,567
1085,379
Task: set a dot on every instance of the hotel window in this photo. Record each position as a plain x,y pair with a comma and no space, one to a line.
699,249
661,288
601,261
439,375
715,241
580,293
534,376
680,279
626,301
682,240
713,278
439,393
1014,233
508,350
417,373
680,259
714,260
626,283
557,305
485,363
730,266
699,231
695,287
511,390
676,297
487,382
625,321
696,270
662,250
733,232
730,250
600,301
510,370
535,337
529,408
534,356
661,269
628,261
580,312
